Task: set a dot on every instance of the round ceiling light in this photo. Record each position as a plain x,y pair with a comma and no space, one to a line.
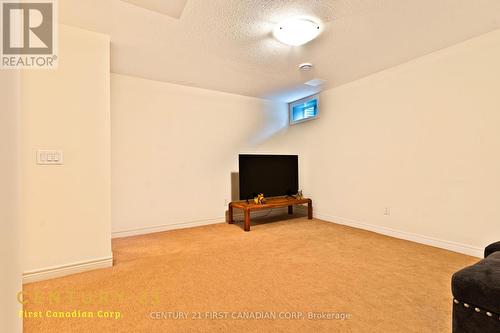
297,31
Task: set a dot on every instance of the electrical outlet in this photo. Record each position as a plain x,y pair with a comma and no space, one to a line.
387,211
226,202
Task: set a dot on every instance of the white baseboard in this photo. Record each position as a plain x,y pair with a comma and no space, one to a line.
439,243
198,223
166,227
63,270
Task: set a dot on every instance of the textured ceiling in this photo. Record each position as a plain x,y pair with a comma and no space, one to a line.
227,45
170,7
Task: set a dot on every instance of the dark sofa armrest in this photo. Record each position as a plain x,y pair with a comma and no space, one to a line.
491,248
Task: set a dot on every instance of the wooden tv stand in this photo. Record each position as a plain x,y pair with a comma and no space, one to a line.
249,206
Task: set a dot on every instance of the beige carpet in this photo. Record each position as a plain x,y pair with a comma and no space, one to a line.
365,282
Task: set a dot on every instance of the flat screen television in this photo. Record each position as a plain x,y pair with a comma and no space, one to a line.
272,175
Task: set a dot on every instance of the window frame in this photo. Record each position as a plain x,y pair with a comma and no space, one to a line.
301,101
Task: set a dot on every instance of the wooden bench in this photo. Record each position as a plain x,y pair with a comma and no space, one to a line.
270,203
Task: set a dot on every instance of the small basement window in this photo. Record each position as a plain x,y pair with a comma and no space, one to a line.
304,109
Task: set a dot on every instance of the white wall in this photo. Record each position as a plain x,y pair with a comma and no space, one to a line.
422,138
66,209
10,244
174,148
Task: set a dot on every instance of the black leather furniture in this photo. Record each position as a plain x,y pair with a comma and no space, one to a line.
476,292
491,248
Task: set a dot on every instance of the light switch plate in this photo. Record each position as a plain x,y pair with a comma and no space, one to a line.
49,157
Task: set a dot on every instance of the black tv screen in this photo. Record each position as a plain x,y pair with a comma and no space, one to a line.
272,175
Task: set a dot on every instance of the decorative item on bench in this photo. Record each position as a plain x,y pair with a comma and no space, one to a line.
270,203
299,194
259,199
476,295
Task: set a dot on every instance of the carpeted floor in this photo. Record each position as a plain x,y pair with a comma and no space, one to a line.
268,280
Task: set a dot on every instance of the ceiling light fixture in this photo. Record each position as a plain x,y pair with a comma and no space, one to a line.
296,31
